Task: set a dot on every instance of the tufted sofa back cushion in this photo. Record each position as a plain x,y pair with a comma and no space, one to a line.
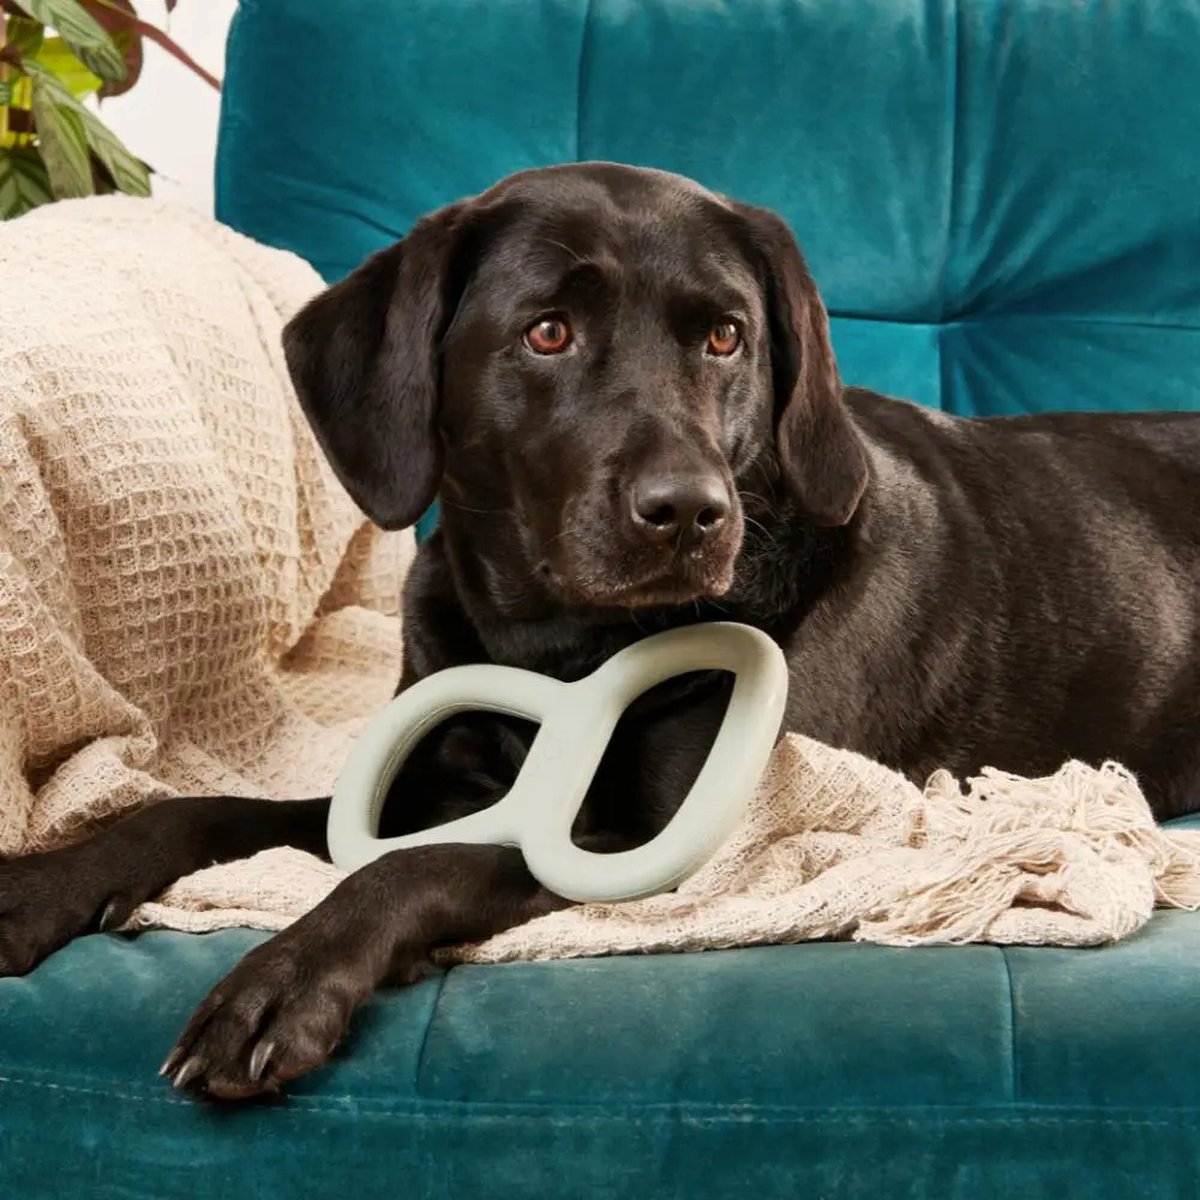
1000,199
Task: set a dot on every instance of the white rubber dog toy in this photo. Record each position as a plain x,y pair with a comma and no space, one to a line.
576,722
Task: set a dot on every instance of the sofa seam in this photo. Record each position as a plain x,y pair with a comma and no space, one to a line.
584,46
943,374
953,104
105,1093
1014,1085
687,1112
419,1073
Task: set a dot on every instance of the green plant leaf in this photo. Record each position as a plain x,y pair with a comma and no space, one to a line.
129,42
24,36
119,20
24,183
61,139
82,33
106,10
128,172
57,57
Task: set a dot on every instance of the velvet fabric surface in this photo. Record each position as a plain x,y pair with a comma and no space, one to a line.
773,1072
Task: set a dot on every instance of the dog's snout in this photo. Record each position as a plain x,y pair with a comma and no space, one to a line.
666,507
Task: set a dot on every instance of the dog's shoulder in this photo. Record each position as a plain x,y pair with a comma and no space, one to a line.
438,632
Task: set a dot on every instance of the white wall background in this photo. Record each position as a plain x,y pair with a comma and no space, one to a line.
169,118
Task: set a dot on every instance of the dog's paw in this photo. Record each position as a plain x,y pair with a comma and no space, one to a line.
278,1014
48,899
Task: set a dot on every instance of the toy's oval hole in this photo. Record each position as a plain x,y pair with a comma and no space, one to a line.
657,733
464,764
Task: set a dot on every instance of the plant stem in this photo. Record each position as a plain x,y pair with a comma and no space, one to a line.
6,73
172,47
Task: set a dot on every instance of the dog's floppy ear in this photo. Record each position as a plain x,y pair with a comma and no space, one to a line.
364,359
822,457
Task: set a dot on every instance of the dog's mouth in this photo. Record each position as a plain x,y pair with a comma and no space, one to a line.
587,561
690,578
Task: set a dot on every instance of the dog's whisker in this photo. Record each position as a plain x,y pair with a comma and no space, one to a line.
761,527
551,242
747,495
566,531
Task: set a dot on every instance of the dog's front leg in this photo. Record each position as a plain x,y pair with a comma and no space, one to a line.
48,898
281,1011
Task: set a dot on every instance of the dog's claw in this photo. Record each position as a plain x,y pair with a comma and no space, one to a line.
106,917
187,1072
171,1061
260,1058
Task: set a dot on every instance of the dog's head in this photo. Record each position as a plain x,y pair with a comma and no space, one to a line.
591,356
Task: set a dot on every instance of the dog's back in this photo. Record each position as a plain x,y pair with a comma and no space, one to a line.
1041,593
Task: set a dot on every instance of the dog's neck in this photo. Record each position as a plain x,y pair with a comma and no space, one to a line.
784,565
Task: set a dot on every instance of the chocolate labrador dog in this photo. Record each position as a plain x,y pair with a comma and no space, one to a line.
621,387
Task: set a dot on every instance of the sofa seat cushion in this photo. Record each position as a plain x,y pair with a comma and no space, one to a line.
818,1069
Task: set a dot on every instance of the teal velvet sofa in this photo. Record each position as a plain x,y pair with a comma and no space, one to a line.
1001,202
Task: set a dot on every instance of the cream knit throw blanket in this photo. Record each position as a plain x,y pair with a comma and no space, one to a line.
189,603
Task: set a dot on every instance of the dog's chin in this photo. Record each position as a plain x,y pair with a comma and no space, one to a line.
686,583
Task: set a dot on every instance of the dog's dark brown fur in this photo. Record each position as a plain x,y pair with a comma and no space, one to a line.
948,593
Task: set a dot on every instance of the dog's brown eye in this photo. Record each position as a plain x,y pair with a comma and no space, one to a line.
551,335
724,338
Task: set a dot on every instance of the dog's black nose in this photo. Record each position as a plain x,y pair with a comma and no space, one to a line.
665,507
